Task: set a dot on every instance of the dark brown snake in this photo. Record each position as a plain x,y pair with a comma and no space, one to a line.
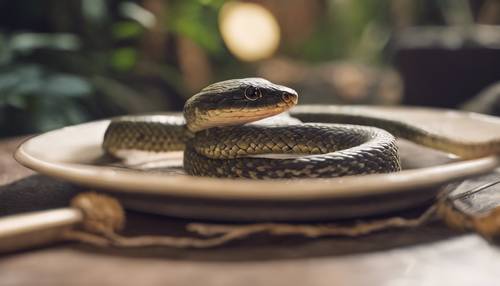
219,141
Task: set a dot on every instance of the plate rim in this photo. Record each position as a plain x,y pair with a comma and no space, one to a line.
246,189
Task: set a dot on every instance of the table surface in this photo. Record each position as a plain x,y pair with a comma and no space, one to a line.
429,255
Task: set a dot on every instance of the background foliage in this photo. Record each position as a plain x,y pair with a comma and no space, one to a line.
65,62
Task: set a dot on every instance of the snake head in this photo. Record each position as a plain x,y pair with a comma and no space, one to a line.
236,102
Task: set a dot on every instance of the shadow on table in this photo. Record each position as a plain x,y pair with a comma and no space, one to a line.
35,193
39,192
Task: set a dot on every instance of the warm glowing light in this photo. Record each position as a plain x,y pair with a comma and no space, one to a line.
249,30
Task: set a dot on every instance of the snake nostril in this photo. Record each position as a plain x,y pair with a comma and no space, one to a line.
287,97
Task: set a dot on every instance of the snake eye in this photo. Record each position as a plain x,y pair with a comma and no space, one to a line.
252,93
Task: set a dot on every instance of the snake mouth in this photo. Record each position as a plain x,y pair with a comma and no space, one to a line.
240,116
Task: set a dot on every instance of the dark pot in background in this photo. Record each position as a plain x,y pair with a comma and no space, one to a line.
444,67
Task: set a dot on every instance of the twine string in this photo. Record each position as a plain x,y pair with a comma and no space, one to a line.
104,218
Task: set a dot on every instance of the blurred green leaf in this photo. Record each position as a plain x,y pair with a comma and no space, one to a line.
197,22
19,84
27,42
40,99
5,52
124,59
50,114
213,3
354,29
94,10
126,30
65,85
134,11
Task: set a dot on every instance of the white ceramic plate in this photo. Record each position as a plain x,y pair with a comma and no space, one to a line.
71,154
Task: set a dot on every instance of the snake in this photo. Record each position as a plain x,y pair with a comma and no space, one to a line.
233,129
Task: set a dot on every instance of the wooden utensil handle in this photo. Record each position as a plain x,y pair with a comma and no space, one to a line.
36,228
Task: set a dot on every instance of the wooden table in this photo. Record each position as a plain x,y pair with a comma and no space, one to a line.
430,255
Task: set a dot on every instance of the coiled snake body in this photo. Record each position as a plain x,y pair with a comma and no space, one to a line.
218,142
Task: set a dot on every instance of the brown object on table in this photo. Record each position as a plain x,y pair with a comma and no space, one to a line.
431,253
